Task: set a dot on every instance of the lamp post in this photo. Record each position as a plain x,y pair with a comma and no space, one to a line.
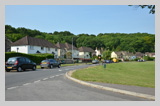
17,51
72,48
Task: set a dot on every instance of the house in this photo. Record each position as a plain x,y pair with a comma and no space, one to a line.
139,55
128,55
63,48
150,54
7,45
117,55
85,52
31,45
99,52
123,55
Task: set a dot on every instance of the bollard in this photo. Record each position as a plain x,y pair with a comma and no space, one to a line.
104,65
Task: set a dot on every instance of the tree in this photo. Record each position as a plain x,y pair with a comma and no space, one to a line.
68,55
151,7
107,54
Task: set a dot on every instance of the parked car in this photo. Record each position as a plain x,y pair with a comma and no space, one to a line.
115,60
107,61
19,64
49,63
141,60
95,61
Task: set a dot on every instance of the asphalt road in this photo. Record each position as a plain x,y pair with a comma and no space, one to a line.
52,85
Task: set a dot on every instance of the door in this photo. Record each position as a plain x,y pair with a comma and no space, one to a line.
28,64
22,63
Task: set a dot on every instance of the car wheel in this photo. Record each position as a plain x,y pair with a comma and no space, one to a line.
59,66
19,69
8,70
51,66
34,68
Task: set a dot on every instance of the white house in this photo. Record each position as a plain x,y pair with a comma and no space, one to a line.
85,52
66,47
31,45
99,52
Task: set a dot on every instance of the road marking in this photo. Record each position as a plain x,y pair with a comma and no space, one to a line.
52,76
12,87
26,84
66,69
61,74
45,78
57,75
60,70
37,81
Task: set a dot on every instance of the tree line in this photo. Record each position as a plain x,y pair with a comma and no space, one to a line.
133,42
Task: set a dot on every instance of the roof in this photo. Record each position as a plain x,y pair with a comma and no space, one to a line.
27,40
118,53
86,49
65,45
139,54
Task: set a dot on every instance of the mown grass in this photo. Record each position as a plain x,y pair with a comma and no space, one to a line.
129,73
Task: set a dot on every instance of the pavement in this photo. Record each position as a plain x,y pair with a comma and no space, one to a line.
142,92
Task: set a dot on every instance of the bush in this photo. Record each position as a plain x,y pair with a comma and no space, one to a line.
146,58
152,58
37,58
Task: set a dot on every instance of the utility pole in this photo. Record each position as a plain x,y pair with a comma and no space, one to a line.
72,48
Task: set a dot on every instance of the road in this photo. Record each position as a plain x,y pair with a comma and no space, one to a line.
52,85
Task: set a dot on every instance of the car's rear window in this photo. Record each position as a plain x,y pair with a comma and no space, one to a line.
11,60
45,61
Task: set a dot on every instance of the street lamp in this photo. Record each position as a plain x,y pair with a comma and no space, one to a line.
72,48
17,51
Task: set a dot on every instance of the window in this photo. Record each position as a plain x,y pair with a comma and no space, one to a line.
48,49
32,47
42,48
27,60
22,59
55,49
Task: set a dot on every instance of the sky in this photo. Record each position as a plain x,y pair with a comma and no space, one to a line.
78,19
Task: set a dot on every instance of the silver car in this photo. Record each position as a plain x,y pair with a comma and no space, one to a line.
50,63
95,61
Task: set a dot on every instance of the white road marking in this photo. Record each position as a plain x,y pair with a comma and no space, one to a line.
12,87
52,76
37,81
66,69
60,70
45,78
57,75
26,84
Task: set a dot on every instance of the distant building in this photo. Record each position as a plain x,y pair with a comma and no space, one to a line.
139,55
85,52
99,52
150,54
31,45
123,55
7,45
63,48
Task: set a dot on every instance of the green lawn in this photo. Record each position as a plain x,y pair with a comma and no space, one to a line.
129,73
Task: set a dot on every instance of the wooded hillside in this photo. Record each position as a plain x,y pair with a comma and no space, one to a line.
133,42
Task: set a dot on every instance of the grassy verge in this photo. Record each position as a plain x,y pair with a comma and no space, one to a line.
129,73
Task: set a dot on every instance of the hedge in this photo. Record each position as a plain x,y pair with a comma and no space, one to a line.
37,58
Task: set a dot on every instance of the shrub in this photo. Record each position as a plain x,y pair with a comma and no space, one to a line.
146,58
37,58
152,58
